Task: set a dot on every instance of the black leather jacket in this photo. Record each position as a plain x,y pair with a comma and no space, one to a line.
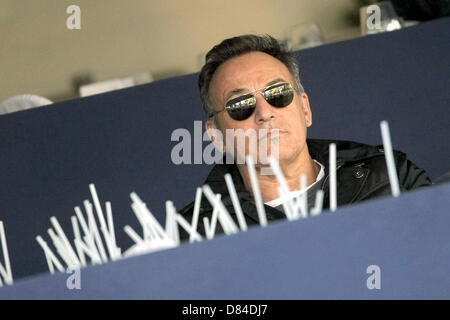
361,175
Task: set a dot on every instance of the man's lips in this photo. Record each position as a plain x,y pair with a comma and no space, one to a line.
272,133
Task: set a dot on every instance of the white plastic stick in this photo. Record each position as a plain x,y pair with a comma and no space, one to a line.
303,199
147,234
89,237
94,230
207,228
50,264
332,160
76,229
3,273
82,221
213,200
235,200
66,247
198,198
169,223
50,256
175,224
151,224
88,251
389,156
224,217
80,251
101,218
98,207
256,192
44,247
283,188
186,226
109,246
148,216
109,218
284,203
172,222
214,217
279,174
89,247
8,273
76,233
132,234
64,241
61,249
115,254
318,203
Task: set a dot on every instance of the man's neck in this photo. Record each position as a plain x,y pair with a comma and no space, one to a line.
292,171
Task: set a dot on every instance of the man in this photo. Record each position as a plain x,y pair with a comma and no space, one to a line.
251,83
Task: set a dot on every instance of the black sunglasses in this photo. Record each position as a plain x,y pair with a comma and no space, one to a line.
240,108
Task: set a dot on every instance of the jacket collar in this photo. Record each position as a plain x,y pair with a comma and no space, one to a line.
347,152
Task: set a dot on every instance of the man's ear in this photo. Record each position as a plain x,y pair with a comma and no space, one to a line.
215,135
306,109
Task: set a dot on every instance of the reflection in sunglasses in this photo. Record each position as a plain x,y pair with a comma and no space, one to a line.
242,107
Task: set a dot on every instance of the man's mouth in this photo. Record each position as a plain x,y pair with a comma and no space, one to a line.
271,133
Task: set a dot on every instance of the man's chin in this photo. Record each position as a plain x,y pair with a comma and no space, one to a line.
281,153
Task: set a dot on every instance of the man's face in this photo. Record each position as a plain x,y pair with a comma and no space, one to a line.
250,72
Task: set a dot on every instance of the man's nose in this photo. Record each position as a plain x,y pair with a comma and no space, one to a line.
264,111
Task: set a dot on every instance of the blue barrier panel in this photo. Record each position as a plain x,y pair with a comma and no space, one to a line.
121,140
325,257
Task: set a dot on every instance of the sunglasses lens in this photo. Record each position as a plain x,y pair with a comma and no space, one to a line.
241,114
279,96
242,107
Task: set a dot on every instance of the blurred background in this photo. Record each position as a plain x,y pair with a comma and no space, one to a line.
138,41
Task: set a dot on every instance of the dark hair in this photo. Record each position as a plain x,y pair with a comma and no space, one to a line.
237,46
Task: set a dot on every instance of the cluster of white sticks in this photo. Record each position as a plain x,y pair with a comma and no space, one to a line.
90,245
155,237
5,271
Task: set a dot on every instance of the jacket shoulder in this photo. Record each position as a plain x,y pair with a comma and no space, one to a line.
373,158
